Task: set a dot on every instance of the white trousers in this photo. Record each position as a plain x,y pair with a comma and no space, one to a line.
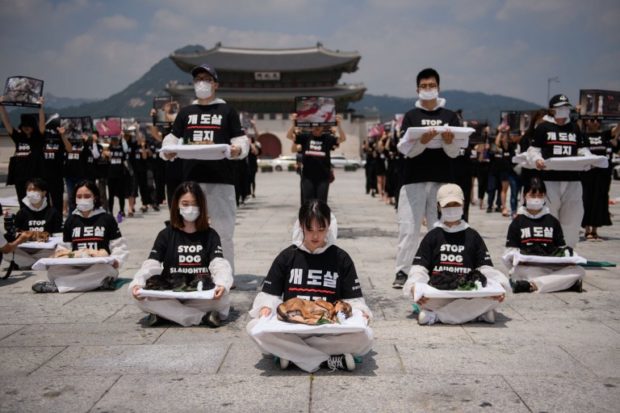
549,278
308,351
565,202
72,278
26,258
459,310
187,312
416,202
222,207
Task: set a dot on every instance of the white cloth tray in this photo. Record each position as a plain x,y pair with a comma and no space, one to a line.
189,295
49,245
515,258
43,263
493,288
353,324
568,163
461,137
201,152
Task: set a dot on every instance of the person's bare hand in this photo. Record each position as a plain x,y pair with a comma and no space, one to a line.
235,151
540,164
448,137
170,155
427,136
219,292
265,312
134,292
499,298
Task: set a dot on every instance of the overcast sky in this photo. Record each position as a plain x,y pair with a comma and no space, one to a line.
92,49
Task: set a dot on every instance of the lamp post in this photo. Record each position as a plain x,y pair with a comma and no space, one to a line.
549,80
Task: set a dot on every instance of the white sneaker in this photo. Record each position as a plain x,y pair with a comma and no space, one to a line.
488,317
341,362
427,317
284,363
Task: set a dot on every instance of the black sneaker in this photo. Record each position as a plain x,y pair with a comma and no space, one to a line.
577,287
498,209
489,210
152,320
400,280
344,362
44,287
212,319
108,284
521,286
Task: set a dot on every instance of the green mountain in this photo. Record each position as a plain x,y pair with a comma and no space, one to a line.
136,99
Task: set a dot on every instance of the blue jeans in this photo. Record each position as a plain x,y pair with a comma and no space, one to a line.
515,187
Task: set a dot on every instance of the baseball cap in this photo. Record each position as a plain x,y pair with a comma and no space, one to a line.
559,101
205,68
449,193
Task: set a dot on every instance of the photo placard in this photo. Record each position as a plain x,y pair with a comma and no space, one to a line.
23,91
166,110
600,104
108,126
315,111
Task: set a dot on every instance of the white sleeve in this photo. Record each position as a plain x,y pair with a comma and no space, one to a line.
584,152
242,142
119,250
169,139
533,154
417,148
149,268
265,300
95,151
221,271
124,145
417,274
359,304
3,241
492,273
452,150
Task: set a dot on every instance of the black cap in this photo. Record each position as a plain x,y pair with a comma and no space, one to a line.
205,68
559,101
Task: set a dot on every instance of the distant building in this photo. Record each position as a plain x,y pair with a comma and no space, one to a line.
265,82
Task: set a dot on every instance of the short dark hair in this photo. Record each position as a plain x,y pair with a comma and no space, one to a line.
536,186
38,183
312,210
426,74
176,220
92,187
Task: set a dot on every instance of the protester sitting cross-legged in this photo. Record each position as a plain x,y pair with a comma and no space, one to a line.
187,250
313,268
38,216
88,232
536,232
451,249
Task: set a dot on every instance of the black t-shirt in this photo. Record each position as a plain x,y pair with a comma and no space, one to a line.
116,169
94,232
432,165
556,141
544,232
28,154
48,220
455,252
316,159
135,157
183,253
217,123
75,160
600,143
329,276
53,155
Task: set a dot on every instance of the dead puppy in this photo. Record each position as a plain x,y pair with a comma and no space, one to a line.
180,282
298,310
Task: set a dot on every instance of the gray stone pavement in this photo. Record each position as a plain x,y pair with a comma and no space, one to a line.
88,351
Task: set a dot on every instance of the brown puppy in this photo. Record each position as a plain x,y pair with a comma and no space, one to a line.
298,310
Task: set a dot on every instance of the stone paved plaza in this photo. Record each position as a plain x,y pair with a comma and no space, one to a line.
88,352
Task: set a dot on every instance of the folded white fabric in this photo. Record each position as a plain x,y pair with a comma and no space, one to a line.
179,295
49,245
200,152
492,288
461,137
513,258
44,263
354,324
568,163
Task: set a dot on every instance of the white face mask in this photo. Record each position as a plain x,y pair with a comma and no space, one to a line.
85,204
189,213
451,214
34,197
203,89
534,204
562,113
428,94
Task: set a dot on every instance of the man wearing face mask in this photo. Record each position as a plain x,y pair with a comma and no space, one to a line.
212,121
423,169
555,137
452,247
